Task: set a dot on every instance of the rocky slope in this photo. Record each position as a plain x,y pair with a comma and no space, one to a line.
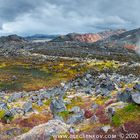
103,101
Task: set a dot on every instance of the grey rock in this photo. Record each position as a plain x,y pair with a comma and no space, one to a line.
27,107
88,76
137,86
106,128
95,106
136,98
76,118
15,97
57,105
13,132
45,131
3,105
111,112
39,103
75,109
124,96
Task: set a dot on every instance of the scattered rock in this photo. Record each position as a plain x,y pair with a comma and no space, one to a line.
3,105
39,103
57,106
106,128
136,98
75,109
125,96
76,118
137,86
27,107
15,97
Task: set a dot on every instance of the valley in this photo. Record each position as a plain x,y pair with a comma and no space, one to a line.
48,89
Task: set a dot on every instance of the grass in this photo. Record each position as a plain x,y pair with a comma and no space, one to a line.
19,75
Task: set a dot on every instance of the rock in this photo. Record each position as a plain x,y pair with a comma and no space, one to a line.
111,111
137,86
88,76
125,96
11,112
57,106
13,132
75,109
136,98
3,105
15,97
39,103
27,107
95,106
76,118
94,119
106,128
102,91
45,131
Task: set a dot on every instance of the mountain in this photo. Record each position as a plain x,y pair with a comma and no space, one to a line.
128,39
88,38
119,45
11,38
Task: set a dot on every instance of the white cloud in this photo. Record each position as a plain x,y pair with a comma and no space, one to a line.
65,16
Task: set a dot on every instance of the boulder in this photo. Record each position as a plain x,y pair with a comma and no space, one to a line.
137,86
57,106
14,97
106,128
75,109
76,118
39,103
124,96
27,107
136,98
45,131
3,105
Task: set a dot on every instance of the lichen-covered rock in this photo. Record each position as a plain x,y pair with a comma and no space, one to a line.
45,131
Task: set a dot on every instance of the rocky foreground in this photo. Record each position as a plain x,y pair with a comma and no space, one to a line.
101,101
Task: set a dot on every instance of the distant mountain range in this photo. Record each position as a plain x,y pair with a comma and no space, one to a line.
41,37
112,43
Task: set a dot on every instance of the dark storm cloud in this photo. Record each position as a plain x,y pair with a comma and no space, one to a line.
63,16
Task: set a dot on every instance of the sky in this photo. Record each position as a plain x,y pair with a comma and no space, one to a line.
28,17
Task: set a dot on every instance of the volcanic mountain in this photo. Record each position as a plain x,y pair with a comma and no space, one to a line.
89,37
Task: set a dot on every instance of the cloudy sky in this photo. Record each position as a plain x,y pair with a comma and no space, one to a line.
27,17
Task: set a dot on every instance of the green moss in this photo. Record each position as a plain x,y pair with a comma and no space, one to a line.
116,120
2,113
131,108
129,113
64,114
47,102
